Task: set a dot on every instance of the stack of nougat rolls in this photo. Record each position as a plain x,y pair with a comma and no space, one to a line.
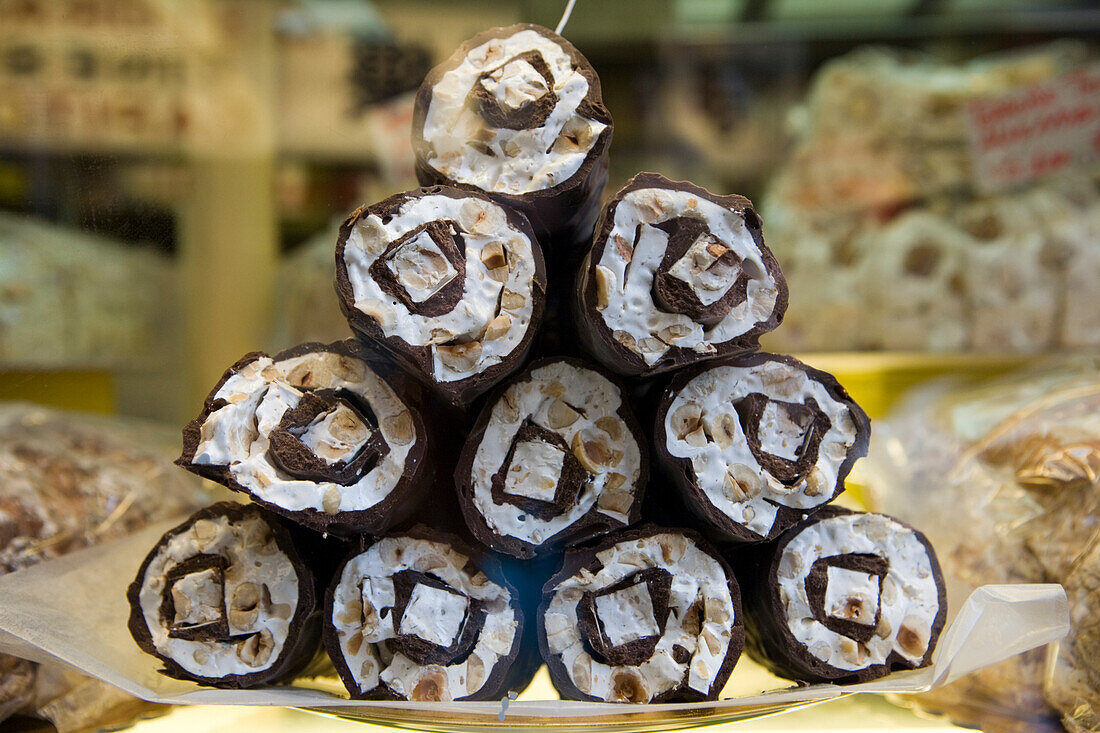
463,489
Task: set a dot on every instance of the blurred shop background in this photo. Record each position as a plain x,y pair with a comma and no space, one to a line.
172,174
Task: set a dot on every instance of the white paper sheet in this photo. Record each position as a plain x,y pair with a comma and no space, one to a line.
74,609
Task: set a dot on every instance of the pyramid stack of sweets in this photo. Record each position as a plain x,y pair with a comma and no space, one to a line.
551,438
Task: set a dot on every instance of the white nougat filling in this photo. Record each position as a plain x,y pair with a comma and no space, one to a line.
715,391
475,318
627,614
434,615
908,602
851,595
236,435
517,161
630,307
366,588
535,470
253,558
336,435
515,84
698,583
532,399
697,268
779,435
421,282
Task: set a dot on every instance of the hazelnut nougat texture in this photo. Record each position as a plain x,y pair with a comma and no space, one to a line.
842,597
676,275
556,457
315,434
754,444
517,113
419,616
225,600
649,615
449,283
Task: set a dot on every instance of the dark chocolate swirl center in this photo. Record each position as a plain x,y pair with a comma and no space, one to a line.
331,435
639,600
424,269
700,275
803,423
502,106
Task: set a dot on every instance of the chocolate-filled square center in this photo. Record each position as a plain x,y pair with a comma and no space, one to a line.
337,434
420,267
534,470
709,268
330,435
516,95
623,622
784,437
434,623
424,269
784,428
844,591
434,614
700,275
193,601
515,84
540,474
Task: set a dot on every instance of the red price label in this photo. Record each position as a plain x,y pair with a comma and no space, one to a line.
1036,131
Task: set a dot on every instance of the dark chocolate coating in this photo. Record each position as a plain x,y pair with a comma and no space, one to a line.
417,360
681,474
591,524
564,214
512,672
400,502
769,640
578,558
304,629
670,294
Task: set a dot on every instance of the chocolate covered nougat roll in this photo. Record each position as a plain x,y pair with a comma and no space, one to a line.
649,615
517,113
417,616
556,457
225,600
755,444
449,283
314,434
842,597
676,275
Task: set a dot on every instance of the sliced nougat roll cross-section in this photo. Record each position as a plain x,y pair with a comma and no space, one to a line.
648,615
225,600
449,283
557,456
756,443
517,113
315,434
676,275
842,597
418,616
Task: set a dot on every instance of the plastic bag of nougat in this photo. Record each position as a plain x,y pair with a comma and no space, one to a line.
1008,475
70,481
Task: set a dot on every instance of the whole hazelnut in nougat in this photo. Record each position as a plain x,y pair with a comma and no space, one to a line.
517,113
